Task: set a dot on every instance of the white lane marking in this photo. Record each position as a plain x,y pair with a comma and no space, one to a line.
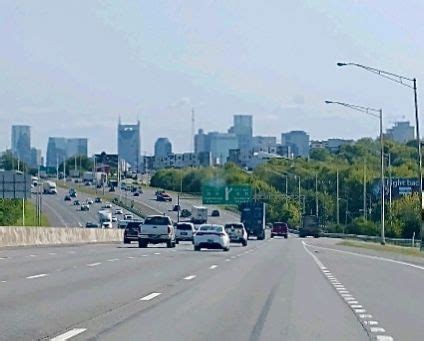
377,330
157,253
383,259
32,256
37,276
188,278
228,260
94,264
112,260
213,266
3,281
130,257
233,257
351,301
150,296
144,255
52,253
69,334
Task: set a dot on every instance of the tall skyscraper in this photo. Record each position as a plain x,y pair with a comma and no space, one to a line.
61,148
76,147
298,141
129,144
243,129
163,147
21,142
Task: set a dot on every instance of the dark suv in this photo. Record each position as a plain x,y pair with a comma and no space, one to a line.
131,231
280,229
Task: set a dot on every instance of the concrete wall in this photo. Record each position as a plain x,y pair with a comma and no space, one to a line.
21,236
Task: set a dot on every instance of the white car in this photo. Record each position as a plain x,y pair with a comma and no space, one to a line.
210,236
90,201
237,233
119,211
114,219
128,216
107,205
184,232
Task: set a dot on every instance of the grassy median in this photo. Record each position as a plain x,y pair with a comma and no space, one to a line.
407,251
31,217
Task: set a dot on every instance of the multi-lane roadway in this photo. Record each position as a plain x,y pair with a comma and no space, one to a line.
270,290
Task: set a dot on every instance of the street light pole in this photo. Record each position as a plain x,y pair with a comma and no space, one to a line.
316,195
412,84
378,113
337,198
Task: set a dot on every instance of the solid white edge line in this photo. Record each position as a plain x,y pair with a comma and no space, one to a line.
37,276
69,334
150,296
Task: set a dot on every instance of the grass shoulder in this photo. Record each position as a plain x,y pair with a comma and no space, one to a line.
402,250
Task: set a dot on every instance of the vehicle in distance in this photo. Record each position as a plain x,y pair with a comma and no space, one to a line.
211,237
72,193
136,194
90,201
91,225
67,198
280,229
105,218
176,208
185,213
184,231
157,229
163,196
114,219
309,226
98,200
131,232
253,219
118,211
49,187
237,233
77,203
107,205
199,215
85,207
215,213
128,216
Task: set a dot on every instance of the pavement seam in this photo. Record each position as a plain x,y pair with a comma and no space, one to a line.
359,311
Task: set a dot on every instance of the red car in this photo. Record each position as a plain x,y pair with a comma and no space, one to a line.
280,229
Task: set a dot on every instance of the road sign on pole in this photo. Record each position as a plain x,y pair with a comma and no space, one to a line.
15,185
226,195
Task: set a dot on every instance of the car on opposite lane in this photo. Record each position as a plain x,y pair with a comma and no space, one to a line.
118,211
210,236
92,225
237,233
184,231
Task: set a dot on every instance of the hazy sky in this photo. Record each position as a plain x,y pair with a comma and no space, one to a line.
71,68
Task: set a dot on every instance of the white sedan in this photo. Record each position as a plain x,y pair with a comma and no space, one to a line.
210,236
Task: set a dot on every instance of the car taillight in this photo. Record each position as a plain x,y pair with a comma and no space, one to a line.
169,229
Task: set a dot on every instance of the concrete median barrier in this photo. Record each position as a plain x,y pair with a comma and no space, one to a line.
25,236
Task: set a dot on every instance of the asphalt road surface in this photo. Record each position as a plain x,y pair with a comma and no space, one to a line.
270,290
62,213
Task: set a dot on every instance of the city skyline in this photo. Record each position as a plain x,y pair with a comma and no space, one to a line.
64,82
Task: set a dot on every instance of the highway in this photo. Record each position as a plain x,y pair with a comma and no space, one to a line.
62,213
295,289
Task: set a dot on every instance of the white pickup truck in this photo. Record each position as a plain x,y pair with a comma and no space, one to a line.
157,229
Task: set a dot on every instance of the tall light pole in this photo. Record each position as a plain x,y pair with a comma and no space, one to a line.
316,194
378,113
412,84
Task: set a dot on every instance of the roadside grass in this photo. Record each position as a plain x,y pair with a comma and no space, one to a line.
408,251
31,217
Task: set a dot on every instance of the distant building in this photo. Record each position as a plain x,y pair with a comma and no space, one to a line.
201,142
401,132
333,145
36,159
60,149
182,160
129,144
298,141
21,142
76,147
106,163
264,143
163,147
243,129
220,146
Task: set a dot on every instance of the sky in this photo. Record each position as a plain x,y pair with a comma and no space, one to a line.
72,68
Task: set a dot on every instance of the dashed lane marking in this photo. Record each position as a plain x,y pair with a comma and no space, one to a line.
94,264
150,296
365,319
213,266
131,257
189,278
112,260
157,253
37,276
69,334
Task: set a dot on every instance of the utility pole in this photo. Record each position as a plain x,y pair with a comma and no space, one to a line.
287,190
337,199
365,192
299,191
316,195
192,131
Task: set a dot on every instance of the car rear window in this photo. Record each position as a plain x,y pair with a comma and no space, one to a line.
185,227
280,225
157,221
235,226
211,228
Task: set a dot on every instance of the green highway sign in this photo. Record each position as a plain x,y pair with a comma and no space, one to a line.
226,195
